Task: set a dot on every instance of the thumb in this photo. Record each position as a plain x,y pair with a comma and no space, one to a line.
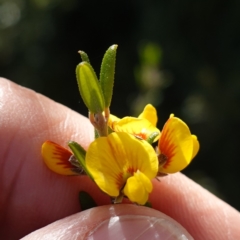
123,221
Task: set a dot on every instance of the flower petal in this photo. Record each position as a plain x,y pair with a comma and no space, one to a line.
149,113
138,188
112,159
112,120
141,128
57,158
196,146
175,146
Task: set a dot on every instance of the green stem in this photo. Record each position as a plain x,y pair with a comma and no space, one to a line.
100,123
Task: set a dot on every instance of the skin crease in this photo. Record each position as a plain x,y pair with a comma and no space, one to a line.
32,196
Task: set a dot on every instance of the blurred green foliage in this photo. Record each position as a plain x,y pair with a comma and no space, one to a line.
182,56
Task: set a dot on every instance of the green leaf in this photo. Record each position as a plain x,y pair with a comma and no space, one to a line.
86,201
80,155
89,88
107,74
84,56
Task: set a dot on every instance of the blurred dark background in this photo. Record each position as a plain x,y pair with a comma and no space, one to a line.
181,56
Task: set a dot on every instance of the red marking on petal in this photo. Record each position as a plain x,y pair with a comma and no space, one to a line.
166,147
131,170
142,135
57,158
119,181
63,155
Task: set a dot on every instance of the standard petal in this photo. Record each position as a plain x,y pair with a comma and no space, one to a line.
149,113
57,158
141,128
112,159
175,146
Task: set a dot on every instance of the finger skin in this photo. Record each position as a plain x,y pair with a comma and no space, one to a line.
30,191
204,215
28,188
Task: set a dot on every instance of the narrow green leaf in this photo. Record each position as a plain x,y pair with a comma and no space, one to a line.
86,201
80,155
89,88
107,74
84,56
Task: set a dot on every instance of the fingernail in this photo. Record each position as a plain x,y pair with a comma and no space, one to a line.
139,227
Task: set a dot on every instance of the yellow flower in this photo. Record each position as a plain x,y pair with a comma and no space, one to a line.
121,164
57,158
177,146
142,127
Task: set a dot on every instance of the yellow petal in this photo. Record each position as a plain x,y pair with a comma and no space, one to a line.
141,128
112,120
112,159
196,146
144,180
175,145
57,158
138,188
149,113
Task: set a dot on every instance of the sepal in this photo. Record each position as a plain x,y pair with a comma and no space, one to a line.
80,155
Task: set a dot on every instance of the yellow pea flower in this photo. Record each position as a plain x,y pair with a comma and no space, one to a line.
120,164
141,127
57,158
177,146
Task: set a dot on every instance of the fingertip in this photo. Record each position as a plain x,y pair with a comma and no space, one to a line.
122,221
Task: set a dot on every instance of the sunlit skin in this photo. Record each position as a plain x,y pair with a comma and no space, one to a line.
32,196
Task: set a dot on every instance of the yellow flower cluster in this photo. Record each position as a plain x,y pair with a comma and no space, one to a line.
124,162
